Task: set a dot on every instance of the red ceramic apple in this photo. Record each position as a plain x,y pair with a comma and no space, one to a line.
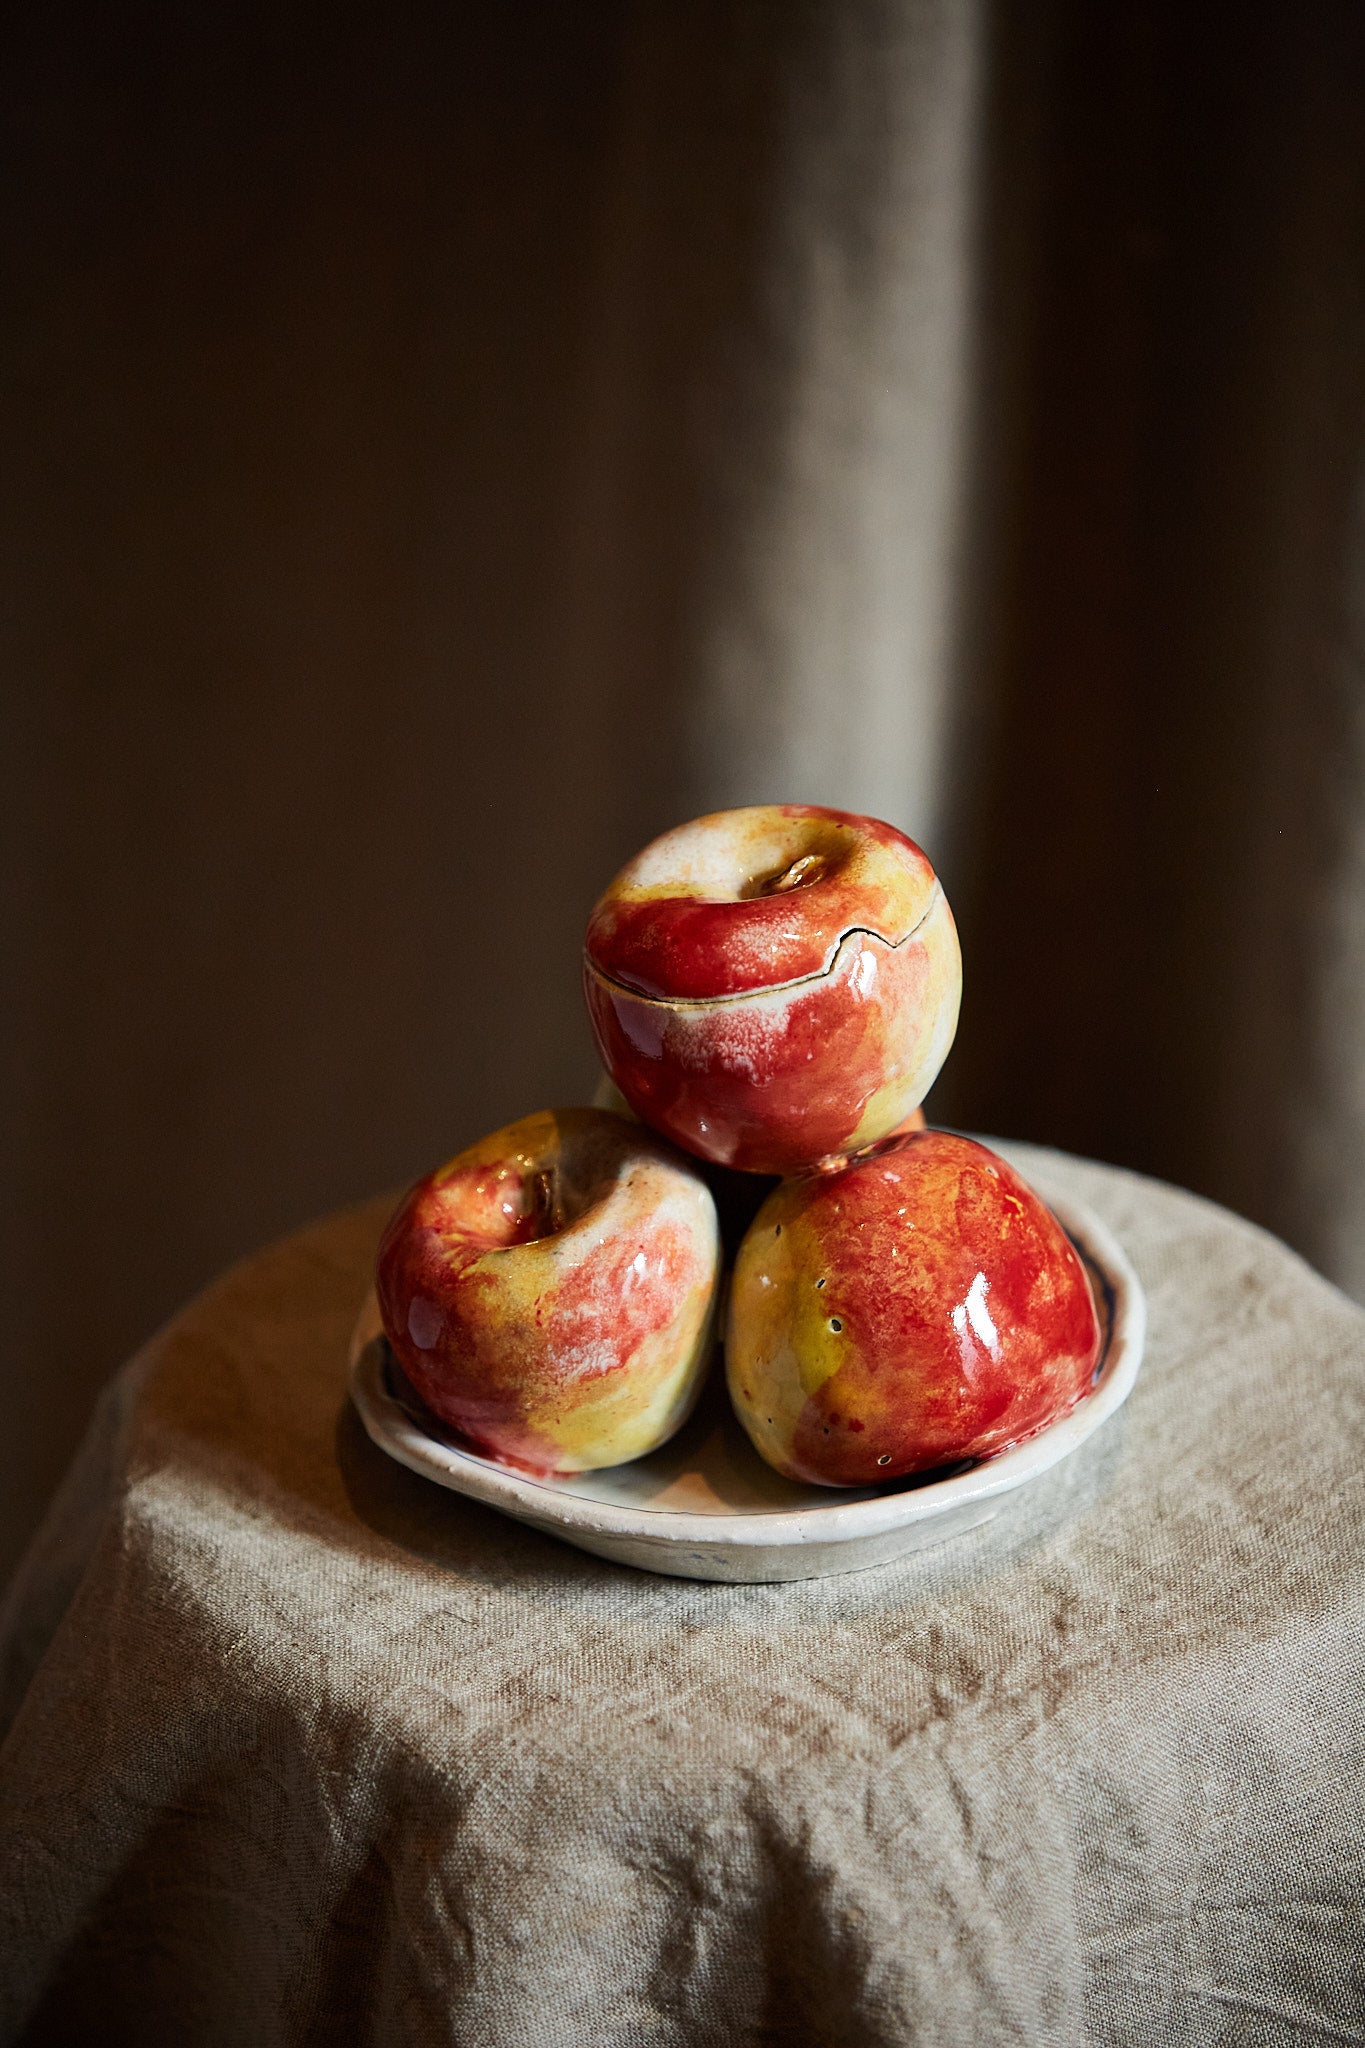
771,986
919,1307
551,1292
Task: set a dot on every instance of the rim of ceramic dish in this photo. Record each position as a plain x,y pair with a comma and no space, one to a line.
390,1425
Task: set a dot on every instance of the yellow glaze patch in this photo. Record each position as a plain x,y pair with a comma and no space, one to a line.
780,1346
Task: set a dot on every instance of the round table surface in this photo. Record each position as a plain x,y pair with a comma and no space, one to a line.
301,1747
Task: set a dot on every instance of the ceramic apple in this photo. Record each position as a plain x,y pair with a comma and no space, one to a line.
918,1307
550,1293
772,986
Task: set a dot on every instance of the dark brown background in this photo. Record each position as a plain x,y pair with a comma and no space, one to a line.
334,686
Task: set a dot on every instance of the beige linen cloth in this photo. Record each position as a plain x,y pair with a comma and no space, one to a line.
305,1750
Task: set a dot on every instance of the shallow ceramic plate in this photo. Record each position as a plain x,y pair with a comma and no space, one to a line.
707,1507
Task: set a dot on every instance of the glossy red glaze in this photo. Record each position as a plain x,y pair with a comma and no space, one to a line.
550,1298
767,1085
771,985
600,1315
954,1312
693,947
475,1379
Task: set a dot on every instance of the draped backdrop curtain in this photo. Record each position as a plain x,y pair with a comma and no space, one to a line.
445,446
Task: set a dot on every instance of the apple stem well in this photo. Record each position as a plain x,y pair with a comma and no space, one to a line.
502,1205
544,1207
798,874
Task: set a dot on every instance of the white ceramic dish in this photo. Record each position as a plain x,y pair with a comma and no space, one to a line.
707,1507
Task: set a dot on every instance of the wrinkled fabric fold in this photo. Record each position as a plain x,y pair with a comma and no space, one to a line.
310,1750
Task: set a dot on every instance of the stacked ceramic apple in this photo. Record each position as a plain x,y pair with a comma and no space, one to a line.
772,992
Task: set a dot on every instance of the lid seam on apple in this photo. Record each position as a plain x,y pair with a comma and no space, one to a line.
773,988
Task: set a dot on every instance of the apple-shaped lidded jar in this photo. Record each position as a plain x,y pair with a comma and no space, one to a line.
919,1307
551,1292
773,986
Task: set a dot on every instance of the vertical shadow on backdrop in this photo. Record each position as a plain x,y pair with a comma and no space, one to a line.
671,407
295,303
1136,861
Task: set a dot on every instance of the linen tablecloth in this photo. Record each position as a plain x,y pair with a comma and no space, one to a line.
303,1749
